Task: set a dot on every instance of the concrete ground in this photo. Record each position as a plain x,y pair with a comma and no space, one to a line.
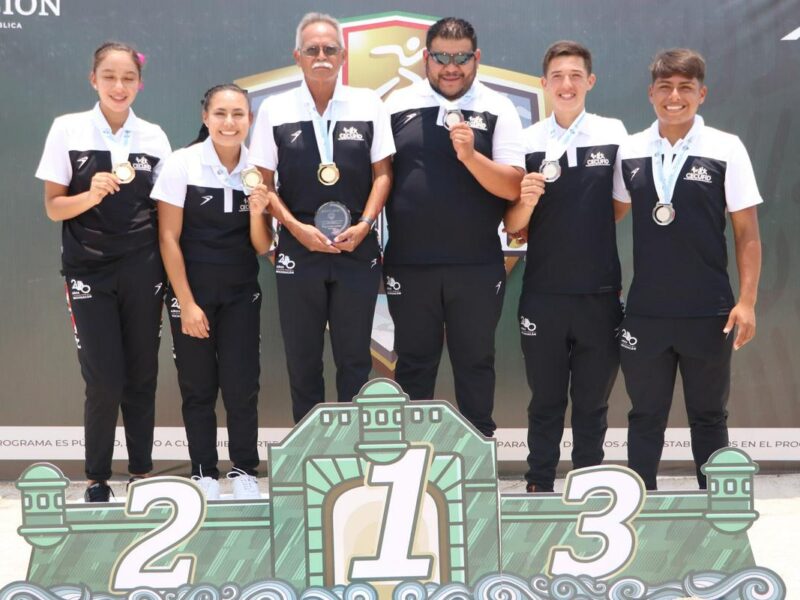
774,537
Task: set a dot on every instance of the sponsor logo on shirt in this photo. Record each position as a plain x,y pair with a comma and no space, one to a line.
598,159
374,263
80,290
627,341
477,122
205,199
350,134
82,161
408,117
498,286
634,172
284,265
295,135
256,296
142,164
393,287
698,174
526,326
244,206
158,287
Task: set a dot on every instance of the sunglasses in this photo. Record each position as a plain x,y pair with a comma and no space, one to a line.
313,51
445,58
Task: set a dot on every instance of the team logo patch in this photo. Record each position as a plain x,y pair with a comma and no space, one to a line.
142,164
284,265
350,134
698,174
627,341
526,326
393,287
477,122
294,136
598,159
80,290
82,161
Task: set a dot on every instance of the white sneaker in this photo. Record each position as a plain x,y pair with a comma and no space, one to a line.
245,487
209,486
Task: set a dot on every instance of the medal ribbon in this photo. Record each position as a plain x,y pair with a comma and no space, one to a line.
119,145
323,136
667,164
456,104
557,145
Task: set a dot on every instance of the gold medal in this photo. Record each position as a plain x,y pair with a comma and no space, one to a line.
124,171
251,177
328,174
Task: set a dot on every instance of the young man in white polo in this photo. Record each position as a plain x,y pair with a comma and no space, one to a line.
684,178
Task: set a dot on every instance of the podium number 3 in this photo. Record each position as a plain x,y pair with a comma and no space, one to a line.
132,569
612,524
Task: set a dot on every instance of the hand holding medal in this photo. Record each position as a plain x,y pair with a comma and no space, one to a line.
531,189
258,200
102,185
463,140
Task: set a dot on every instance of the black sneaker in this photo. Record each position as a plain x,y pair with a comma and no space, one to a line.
98,492
131,480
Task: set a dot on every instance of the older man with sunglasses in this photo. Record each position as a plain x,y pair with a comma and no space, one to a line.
460,159
331,147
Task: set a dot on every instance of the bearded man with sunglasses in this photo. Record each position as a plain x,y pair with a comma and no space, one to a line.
331,146
459,161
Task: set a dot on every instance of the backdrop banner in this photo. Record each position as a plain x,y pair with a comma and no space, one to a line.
752,48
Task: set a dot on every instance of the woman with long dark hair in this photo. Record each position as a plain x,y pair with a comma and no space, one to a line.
212,224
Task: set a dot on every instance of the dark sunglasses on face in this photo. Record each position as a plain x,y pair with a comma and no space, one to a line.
313,51
459,58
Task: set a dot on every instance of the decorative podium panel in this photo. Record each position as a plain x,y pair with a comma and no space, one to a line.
386,498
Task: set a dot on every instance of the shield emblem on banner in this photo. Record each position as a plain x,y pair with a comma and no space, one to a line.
385,54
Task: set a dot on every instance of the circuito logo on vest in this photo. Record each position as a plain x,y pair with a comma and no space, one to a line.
598,159
350,133
698,174
284,265
627,341
477,122
526,326
142,164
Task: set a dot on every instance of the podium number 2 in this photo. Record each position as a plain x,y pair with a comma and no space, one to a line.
132,568
611,525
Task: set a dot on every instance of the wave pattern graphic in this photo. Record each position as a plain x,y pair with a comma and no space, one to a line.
755,583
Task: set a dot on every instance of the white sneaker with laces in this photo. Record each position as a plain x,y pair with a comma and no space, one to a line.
209,486
245,487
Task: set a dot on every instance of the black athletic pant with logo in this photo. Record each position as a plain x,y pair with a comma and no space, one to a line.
570,347
464,303
227,361
116,317
315,290
651,352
